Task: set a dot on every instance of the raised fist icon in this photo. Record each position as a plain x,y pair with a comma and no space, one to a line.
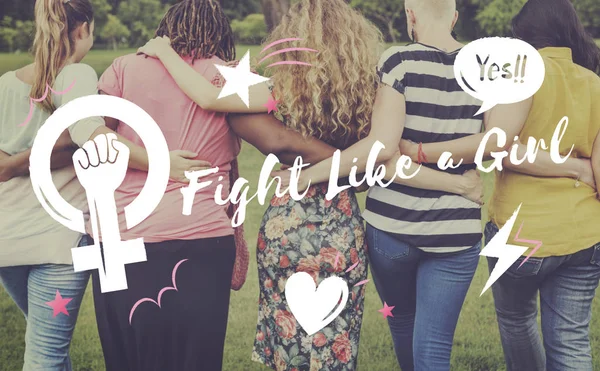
101,164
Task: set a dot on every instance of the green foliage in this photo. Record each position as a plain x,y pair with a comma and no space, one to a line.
495,18
16,35
7,34
141,17
240,9
114,31
589,11
388,15
250,30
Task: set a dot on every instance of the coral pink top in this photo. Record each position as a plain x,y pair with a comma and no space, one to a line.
145,82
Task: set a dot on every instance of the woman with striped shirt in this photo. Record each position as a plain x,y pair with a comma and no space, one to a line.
424,240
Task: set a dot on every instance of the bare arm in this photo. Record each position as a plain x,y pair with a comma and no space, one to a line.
200,90
18,164
269,135
508,117
387,126
543,166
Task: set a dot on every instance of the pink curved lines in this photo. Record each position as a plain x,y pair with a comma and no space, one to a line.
32,101
289,63
288,50
352,267
160,293
281,41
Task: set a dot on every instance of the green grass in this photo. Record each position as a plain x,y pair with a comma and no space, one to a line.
476,345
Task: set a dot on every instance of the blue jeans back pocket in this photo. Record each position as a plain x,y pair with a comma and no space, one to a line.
596,255
530,268
386,245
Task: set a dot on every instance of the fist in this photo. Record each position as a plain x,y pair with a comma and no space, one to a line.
101,164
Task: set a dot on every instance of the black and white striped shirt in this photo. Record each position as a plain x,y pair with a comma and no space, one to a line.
437,110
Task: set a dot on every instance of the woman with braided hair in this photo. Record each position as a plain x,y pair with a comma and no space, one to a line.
186,330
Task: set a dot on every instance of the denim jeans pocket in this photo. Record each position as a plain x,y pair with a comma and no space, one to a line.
530,268
596,255
490,231
386,245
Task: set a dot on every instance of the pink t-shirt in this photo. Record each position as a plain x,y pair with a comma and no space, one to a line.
186,126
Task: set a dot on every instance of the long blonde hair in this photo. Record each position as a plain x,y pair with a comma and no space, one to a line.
53,44
333,99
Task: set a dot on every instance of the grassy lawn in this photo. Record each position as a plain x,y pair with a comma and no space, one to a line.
476,346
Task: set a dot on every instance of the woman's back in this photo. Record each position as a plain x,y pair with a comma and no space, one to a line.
25,225
437,110
185,126
555,211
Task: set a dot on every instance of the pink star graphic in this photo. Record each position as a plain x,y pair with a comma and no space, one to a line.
59,305
271,105
386,310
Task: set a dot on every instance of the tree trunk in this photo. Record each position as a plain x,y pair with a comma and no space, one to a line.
392,31
274,10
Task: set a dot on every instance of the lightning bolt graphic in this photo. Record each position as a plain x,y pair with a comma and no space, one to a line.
537,244
506,253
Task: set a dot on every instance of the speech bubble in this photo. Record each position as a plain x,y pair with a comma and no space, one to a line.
499,70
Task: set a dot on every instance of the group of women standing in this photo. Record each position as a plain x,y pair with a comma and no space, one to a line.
423,234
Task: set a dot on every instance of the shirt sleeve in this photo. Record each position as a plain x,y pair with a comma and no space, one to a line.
79,80
110,81
391,71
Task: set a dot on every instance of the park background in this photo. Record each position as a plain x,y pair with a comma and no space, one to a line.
121,26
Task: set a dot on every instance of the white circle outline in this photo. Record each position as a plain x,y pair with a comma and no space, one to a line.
99,105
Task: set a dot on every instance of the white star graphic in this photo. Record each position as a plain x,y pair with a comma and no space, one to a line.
239,79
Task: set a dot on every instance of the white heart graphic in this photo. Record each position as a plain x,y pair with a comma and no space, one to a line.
310,305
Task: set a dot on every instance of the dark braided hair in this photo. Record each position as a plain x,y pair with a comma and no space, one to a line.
198,29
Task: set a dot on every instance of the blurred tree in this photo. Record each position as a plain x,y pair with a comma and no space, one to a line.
495,19
25,34
274,10
251,30
240,9
7,34
141,17
114,31
101,11
388,15
589,12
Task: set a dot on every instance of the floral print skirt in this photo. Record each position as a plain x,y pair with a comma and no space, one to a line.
306,236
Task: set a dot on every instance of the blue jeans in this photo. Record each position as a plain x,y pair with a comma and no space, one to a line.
566,285
47,338
427,291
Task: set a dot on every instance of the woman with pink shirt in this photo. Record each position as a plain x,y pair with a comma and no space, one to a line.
194,253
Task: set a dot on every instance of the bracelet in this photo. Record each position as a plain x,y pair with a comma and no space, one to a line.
421,155
577,184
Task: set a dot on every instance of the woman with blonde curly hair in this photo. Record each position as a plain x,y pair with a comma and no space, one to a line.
327,106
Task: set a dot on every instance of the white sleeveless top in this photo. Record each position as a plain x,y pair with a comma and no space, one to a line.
28,235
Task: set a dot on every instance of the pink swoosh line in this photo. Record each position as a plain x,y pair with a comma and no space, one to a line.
160,293
289,63
288,50
281,41
361,283
33,100
352,267
537,244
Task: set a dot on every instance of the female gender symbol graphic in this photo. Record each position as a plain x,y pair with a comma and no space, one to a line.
116,253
